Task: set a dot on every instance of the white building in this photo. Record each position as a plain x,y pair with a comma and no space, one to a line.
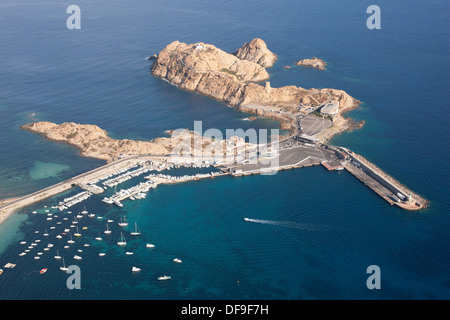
330,109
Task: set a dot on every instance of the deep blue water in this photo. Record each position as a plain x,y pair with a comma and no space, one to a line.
321,230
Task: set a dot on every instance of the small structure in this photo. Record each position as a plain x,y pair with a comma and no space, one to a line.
200,46
330,109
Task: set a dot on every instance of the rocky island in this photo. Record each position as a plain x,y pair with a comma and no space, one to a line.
313,62
235,79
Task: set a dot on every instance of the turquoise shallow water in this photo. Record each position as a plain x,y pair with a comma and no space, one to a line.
315,232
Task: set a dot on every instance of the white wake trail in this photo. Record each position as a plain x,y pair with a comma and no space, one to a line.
288,224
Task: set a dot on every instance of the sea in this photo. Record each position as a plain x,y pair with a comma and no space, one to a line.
311,234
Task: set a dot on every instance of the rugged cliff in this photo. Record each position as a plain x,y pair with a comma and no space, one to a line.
257,51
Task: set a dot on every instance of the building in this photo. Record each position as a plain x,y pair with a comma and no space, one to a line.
330,109
200,46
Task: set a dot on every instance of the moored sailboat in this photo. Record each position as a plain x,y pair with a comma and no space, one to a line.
136,232
122,241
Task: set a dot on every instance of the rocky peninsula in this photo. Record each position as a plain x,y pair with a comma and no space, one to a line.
235,79
232,78
313,62
94,142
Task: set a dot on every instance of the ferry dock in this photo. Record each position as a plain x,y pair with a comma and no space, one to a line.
296,154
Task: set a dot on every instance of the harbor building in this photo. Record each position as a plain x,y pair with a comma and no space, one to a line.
330,109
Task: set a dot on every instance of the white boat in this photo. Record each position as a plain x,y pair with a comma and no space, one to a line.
40,253
58,236
149,245
66,230
63,268
84,211
135,269
66,247
23,242
98,238
50,245
57,257
77,257
37,241
87,245
118,203
22,254
122,241
128,253
177,260
110,221
123,222
164,278
70,241
107,231
77,234
101,254
46,249
246,219
136,232
36,258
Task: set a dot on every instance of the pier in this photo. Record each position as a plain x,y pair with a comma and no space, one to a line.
292,153
307,153
88,180
381,183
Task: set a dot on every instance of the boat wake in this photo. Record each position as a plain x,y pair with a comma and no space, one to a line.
288,224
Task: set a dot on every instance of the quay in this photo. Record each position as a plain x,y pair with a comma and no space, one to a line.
292,153
381,183
308,153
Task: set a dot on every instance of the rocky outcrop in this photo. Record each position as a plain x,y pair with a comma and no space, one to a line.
313,62
94,142
257,51
205,69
